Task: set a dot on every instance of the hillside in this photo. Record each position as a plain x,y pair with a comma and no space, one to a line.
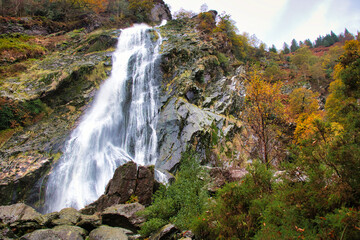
256,143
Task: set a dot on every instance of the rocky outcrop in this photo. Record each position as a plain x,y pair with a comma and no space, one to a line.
159,12
123,215
200,96
129,183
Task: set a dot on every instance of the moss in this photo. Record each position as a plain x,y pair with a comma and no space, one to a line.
6,134
15,48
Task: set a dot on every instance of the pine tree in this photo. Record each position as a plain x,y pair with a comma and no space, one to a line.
273,49
334,37
286,48
308,43
294,45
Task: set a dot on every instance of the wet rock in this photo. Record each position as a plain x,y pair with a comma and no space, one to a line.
106,232
60,232
123,215
165,233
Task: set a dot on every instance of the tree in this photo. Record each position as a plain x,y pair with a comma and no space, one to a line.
263,113
273,49
294,45
303,59
239,43
141,8
308,43
286,48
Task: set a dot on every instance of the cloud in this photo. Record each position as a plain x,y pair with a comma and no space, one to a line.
279,21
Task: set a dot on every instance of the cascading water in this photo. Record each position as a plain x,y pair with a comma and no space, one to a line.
120,125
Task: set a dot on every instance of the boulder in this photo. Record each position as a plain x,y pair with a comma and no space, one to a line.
166,232
129,181
67,216
219,177
20,217
60,232
109,233
144,185
89,222
123,215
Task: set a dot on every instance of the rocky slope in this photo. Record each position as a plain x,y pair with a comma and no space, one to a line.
200,100
200,97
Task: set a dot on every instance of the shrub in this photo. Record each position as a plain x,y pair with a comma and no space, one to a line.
182,201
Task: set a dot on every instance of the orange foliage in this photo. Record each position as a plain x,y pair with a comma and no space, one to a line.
97,6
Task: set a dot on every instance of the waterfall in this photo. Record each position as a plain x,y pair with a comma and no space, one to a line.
119,126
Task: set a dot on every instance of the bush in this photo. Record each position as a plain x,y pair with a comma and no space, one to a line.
180,203
236,211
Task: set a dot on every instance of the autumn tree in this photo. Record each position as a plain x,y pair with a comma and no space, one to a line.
264,112
141,8
97,6
239,44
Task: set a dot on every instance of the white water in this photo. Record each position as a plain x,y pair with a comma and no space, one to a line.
120,126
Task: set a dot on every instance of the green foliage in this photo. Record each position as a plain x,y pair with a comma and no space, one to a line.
15,113
294,45
237,208
141,9
182,201
223,60
15,47
286,48
206,22
239,43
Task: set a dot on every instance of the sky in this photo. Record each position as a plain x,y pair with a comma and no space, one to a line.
279,21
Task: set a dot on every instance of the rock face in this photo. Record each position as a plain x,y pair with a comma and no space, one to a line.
160,12
200,94
129,181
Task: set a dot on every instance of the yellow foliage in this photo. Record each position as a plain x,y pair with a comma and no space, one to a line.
305,127
302,101
264,112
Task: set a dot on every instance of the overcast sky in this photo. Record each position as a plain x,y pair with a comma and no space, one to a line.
279,21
